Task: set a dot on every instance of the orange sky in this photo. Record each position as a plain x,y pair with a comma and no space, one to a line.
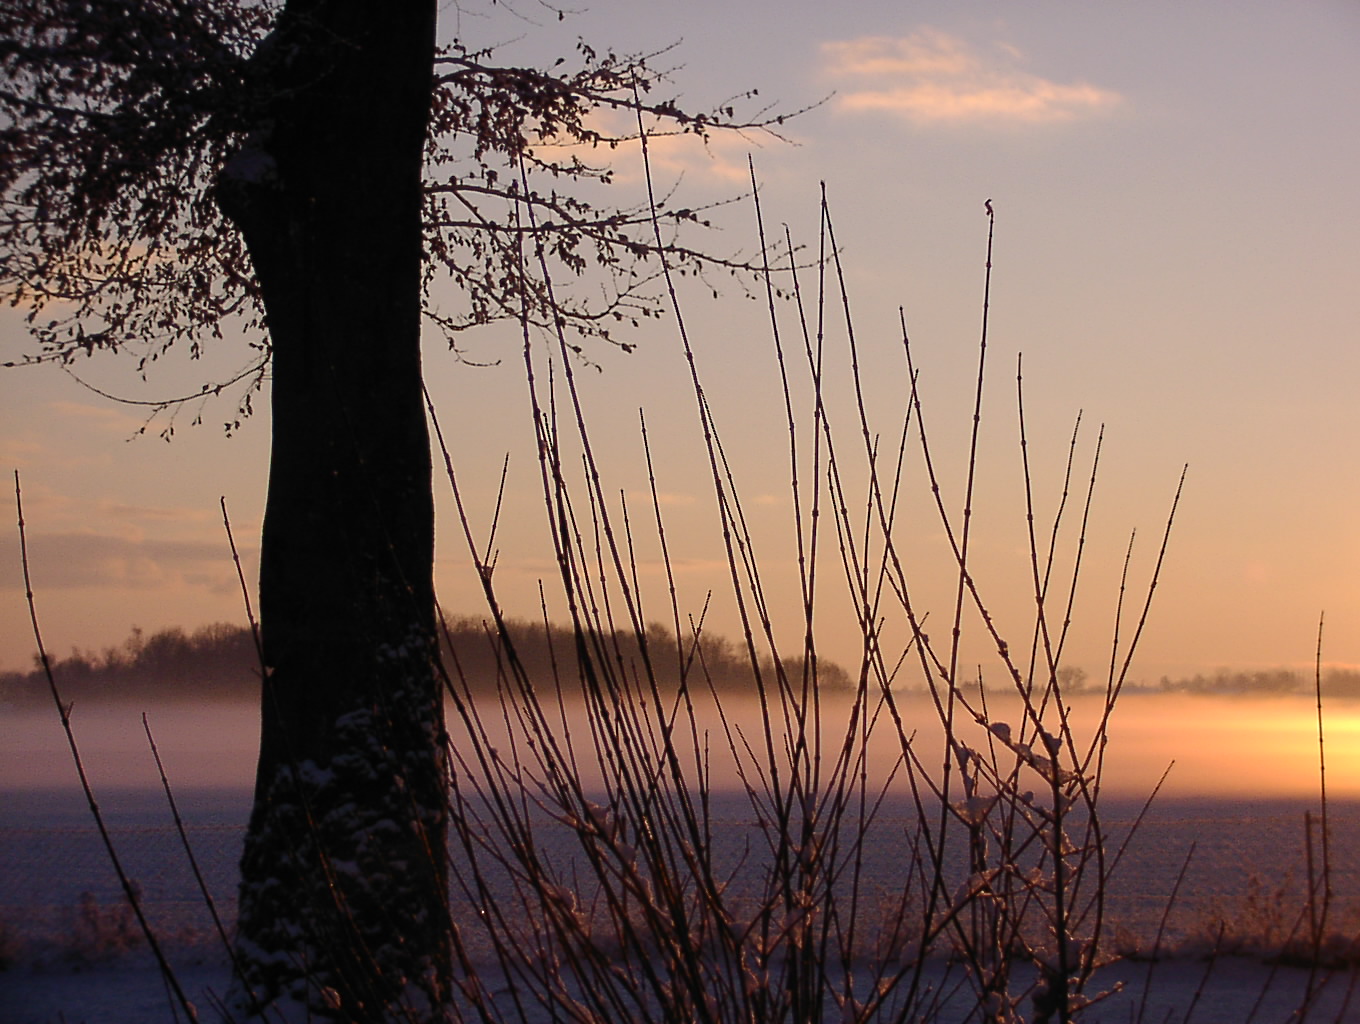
1175,257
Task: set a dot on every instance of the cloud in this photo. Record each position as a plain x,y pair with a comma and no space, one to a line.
63,515
20,452
931,77
156,513
33,443
662,497
720,158
104,418
60,560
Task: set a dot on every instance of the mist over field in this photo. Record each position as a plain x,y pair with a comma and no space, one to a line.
1241,747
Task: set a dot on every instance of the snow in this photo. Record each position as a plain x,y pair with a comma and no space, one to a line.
49,856
130,991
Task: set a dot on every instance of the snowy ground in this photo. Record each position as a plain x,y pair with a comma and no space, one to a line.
51,862
130,991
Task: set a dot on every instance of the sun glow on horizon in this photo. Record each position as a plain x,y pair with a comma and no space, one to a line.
1248,747
1216,747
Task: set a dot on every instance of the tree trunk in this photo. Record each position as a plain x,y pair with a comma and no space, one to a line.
343,902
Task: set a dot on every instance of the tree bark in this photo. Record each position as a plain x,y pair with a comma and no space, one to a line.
343,900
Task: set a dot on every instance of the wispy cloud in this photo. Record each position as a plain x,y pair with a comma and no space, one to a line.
104,560
662,497
104,418
932,77
125,512
719,158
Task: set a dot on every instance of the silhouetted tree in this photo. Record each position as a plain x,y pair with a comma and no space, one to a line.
173,170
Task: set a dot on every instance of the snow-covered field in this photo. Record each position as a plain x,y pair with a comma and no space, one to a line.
75,955
131,992
75,958
1230,991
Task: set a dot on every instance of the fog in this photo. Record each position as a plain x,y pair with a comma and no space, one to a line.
1245,747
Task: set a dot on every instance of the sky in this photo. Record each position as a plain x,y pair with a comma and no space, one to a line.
1174,255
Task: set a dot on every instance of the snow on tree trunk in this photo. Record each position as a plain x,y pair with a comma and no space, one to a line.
343,904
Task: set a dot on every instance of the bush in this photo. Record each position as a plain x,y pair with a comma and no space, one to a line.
100,933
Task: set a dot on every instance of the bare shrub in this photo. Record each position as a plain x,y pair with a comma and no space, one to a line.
100,933
593,877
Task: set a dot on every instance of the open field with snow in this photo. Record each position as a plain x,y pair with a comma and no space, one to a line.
75,956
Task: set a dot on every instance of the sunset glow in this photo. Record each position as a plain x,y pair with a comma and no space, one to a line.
1247,749
1174,257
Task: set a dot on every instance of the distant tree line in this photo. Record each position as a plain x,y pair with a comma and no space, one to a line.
220,662
1340,683
217,661
1265,683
